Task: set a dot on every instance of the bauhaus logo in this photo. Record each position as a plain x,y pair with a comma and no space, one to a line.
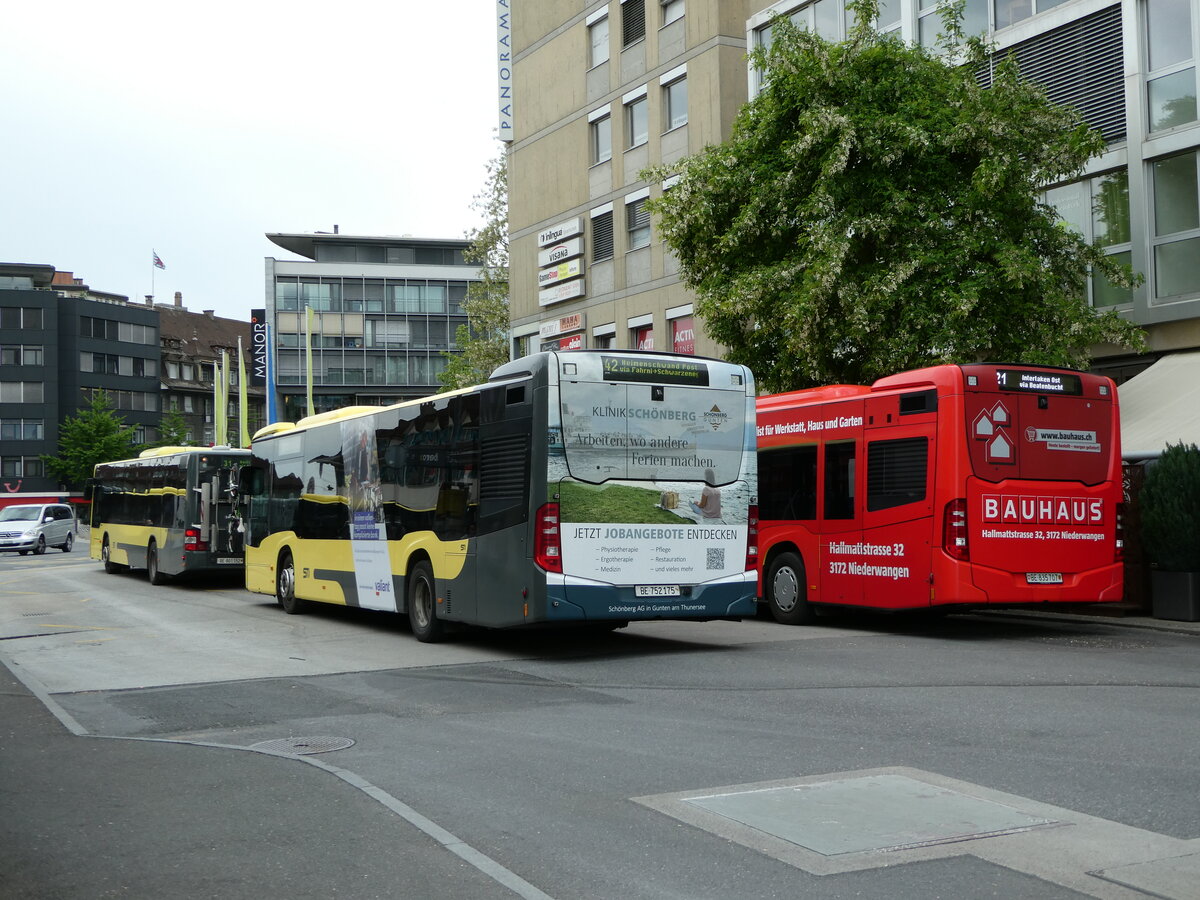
1043,510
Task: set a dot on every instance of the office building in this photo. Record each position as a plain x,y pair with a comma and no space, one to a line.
60,343
385,311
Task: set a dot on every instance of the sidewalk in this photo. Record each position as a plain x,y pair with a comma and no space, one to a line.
1103,616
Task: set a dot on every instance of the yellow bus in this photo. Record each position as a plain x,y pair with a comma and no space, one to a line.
170,511
581,486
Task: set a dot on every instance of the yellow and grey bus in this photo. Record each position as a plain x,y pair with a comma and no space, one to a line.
574,487
171,511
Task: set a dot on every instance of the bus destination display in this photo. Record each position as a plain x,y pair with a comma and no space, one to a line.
659,371
1039,382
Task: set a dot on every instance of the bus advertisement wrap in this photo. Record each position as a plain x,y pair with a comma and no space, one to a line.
368,540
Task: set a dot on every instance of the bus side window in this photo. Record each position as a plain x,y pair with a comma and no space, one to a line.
787,478
839,480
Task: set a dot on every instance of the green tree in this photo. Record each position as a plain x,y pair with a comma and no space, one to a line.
94,435
172,430
484,340
875,209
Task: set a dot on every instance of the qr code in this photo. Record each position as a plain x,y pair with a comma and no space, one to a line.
716,559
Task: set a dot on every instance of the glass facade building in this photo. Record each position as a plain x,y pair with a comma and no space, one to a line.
380,315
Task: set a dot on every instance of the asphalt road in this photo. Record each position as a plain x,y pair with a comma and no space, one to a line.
967,756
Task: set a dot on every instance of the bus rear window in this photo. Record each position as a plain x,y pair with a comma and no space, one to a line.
1034,436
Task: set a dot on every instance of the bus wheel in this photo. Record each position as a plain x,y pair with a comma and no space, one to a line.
786,592
68,543
422,604
285,586
152,570
106,556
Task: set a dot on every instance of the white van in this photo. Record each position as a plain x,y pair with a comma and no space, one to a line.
36,526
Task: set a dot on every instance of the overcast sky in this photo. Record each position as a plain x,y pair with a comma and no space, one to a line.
193,129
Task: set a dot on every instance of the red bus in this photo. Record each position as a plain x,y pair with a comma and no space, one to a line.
952,486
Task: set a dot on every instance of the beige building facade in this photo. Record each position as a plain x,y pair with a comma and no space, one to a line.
598,91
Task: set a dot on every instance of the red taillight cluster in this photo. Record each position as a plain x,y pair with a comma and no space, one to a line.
954,530
1119,549
192,541
752,540
547,539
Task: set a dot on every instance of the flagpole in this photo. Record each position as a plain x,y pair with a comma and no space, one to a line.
308,323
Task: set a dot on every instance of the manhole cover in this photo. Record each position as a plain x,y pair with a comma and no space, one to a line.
304,746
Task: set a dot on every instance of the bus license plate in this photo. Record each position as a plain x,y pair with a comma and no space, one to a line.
656,590
229,560
1043,577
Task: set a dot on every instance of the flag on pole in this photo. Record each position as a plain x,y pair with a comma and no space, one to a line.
308,323
216,402
225,397
243,405
158,263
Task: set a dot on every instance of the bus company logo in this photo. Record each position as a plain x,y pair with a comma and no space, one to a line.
1043,510
715,417
992,425
382,587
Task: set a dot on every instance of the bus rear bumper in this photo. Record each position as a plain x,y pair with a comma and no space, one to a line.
1101,585
577,599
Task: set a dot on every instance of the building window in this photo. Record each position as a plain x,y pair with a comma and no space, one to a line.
637,223
637,129
601,138
602,235
642,338
598,41
21,467
22,392
1176,225
1098,208
633,21
683,335
675,104
22,430
671,10
604,337
21,355
1171,56
26,318
287,294
889,16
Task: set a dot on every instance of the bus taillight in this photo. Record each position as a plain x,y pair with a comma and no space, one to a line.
954,530
752,540
1119,549
191,540
547,542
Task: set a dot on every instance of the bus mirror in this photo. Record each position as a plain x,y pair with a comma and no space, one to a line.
91,487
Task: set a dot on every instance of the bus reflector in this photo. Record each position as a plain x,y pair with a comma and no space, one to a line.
547,542
752,539
1119,549
954,530
191,540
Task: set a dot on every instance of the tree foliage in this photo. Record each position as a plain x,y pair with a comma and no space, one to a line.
875,209
94,435
484,340
172,430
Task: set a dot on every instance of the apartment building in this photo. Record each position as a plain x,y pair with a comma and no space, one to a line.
601,90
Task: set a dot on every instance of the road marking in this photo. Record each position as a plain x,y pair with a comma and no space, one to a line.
464,851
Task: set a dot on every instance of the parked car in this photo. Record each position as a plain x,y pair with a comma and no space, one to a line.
36,526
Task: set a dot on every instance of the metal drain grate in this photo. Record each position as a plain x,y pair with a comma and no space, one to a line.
304,746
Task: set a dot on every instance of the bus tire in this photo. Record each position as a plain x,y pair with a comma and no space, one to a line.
110,567
152,571
422,604
787,591
285,586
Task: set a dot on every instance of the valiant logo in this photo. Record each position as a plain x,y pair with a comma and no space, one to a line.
1043,510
